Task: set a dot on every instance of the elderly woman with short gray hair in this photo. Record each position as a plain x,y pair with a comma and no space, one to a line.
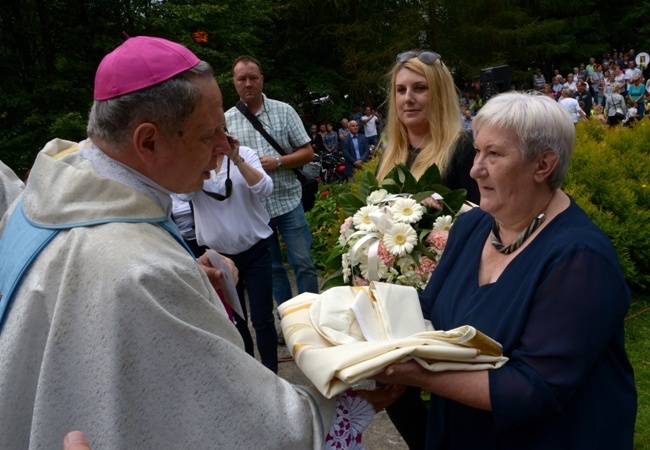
533,272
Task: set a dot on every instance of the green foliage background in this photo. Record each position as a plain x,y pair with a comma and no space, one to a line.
637,345
49,49
609,177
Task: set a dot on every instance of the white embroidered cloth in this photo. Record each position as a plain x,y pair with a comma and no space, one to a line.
347,334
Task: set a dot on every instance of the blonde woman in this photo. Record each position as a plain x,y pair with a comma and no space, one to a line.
424,122
423,128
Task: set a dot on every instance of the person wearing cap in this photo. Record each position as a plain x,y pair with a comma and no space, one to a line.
284,205
109,324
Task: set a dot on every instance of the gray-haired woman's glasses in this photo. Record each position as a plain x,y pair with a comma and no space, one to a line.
426,56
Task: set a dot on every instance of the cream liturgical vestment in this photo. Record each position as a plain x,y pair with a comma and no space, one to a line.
116,331
10,187
347,334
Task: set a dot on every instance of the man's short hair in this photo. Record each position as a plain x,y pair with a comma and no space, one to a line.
246,58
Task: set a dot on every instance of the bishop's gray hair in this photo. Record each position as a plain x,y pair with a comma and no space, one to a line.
167,104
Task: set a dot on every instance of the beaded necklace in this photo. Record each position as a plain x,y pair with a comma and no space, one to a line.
495,239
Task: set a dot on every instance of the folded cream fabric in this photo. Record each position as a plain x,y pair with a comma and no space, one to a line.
347,334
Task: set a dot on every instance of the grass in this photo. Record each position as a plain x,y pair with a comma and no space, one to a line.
637,330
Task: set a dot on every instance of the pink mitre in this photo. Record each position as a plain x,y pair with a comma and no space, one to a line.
139,63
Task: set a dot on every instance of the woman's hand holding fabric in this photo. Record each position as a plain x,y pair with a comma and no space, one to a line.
382,397
468,387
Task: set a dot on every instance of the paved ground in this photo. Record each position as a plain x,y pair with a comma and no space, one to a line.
380,435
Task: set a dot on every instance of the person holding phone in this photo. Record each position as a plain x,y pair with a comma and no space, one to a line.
230,219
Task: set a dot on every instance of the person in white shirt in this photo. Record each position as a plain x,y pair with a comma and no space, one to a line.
231,220
631,72
631,114
619,77
571,104
183,217
370,120
570,82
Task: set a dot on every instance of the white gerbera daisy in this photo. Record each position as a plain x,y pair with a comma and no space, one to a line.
382,270
376,196
362,220
400,239
406,210
443,222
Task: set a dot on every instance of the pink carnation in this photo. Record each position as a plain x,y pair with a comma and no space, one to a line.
437,238
358,281
426,267
432,203
387,257
346,225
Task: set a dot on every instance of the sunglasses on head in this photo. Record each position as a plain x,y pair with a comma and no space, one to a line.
426,57
221,197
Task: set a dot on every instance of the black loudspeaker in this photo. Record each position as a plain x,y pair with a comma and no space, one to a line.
495,80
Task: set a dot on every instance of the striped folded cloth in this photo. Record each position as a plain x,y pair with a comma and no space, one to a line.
347,334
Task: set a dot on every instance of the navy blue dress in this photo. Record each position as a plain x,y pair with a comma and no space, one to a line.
558,311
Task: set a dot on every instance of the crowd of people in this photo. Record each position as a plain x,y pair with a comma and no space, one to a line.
111,324
355,142
613,90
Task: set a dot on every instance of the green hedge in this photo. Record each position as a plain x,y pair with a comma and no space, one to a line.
609,177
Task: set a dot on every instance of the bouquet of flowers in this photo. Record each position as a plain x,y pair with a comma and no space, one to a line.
395,231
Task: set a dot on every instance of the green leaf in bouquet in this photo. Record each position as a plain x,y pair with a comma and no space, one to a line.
334,259
402,178
335,279
410,184
428,219
351,203
424,232
425,251
453,201
420,196
429,178
440,189
399,172
390,185
368,184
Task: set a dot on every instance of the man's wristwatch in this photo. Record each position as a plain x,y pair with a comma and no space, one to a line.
279,162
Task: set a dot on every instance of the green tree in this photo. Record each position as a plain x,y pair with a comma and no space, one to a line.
49,50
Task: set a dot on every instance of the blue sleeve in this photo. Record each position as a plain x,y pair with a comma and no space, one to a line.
576,311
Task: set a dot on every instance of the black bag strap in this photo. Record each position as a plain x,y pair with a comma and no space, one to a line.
260,129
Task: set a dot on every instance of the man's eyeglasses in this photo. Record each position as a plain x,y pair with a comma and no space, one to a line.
221,197
426,57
